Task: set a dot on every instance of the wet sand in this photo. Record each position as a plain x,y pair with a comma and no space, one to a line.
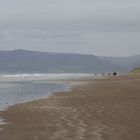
103,109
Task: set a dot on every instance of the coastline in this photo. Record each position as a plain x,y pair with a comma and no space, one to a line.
99,109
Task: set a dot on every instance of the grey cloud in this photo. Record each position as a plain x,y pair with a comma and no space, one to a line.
84,26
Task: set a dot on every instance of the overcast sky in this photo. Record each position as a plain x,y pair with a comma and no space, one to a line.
100,27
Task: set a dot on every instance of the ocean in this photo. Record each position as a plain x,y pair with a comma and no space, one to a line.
22,88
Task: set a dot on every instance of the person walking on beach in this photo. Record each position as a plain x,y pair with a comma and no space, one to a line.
114,73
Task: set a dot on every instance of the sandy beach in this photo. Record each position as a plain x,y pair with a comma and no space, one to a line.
101,109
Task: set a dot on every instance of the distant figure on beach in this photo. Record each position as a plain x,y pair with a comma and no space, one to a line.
114,73
109,74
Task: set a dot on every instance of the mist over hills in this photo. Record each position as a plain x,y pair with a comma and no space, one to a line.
25,61
127,62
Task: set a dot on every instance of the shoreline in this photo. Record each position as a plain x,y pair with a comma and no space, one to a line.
68,83
100,109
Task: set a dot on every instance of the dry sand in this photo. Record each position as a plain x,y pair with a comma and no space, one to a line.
107,109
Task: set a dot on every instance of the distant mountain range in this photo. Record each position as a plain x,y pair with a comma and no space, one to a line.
24,61
128,62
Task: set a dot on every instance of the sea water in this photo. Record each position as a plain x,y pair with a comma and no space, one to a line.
12,93
22,88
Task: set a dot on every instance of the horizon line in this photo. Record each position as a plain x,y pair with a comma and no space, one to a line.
41,51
